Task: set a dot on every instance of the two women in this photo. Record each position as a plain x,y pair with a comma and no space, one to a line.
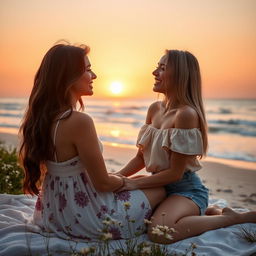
60,146
78,196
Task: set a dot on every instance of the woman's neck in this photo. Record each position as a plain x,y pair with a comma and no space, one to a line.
171,103
73,102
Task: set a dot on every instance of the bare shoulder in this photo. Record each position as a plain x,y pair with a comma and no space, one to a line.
79,121
186,118
154,107
152,110
77,116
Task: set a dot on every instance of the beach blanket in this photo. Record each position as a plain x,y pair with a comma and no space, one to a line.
19,237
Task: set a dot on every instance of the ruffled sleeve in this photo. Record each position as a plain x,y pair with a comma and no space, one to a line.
184,141
144,137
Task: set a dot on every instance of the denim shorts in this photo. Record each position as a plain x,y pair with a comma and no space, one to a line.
190,186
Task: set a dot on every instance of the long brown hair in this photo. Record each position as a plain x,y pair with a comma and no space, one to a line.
61,66
185,79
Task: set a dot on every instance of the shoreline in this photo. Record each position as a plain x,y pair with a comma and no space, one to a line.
231,180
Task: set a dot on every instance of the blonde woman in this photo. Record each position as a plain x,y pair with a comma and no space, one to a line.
170,145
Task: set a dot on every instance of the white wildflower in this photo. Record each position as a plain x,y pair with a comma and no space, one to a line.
146,221
106,222
167,236
157,231
127,205
146,250
85,250
193,245
107,236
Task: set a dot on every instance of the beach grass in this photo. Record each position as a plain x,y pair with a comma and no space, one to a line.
248,235
11,174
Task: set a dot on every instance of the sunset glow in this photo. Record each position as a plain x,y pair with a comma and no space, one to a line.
116,88
126,44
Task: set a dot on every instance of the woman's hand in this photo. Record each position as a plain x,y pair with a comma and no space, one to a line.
138,176
129,184
118,174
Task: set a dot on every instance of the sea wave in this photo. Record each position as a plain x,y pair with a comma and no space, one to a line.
234,122
233,156
5,125
11,115
11,106
232,130
231,123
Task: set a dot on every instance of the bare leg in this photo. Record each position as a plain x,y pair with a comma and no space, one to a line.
155,195
182,214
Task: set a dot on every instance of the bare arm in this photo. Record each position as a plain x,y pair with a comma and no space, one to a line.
133,166
86,142
170,175
137,163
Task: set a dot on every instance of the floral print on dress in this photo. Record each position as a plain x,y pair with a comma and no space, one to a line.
123,196
104,209
39,205
51,217
99,215
62,202
148,214
70,206
83,177
74,163
81,199
52,185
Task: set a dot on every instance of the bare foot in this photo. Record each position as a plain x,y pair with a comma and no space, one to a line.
245,217
213,210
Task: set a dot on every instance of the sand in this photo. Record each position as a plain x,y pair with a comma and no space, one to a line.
234,181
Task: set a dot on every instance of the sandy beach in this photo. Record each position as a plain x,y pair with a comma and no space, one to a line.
234,181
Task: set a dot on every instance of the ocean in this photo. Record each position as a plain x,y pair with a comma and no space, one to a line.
232,123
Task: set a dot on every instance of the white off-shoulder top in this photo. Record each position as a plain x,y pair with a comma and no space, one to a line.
157,145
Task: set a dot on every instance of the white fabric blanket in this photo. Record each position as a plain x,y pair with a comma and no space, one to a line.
19,238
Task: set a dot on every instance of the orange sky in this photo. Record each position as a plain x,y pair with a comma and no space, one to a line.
127,38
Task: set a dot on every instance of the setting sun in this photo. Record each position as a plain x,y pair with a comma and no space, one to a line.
116,87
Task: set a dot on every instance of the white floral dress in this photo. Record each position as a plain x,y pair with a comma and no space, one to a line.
69,205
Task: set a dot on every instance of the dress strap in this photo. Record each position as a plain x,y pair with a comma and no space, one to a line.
55,133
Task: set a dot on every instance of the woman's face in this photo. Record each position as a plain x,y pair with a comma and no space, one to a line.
83,86
160,75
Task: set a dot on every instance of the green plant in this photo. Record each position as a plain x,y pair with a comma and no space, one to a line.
11,174
248,235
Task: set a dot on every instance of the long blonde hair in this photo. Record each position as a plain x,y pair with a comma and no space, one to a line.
184,79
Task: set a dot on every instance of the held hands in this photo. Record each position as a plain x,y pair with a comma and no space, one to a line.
129,184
